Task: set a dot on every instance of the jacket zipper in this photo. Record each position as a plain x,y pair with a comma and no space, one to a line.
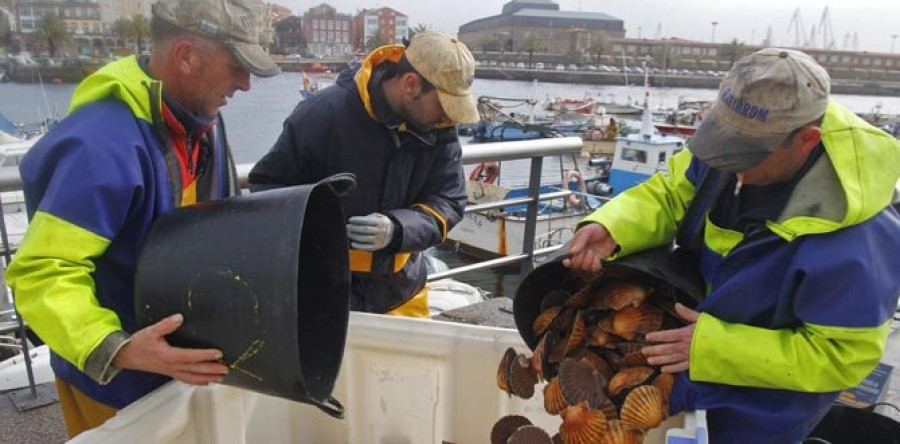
190,155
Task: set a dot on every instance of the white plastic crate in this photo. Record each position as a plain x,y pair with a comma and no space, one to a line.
402,381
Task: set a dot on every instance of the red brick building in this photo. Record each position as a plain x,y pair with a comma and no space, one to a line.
393,26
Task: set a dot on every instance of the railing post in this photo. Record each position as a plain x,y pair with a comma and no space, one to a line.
534,191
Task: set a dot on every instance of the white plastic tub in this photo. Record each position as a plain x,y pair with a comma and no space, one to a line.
402,381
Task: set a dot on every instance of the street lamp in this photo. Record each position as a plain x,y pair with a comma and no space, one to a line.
893,41
713,39
639,32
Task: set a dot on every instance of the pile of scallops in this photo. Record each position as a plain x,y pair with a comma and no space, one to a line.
589,354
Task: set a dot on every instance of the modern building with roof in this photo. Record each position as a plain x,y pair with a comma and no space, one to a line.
542,27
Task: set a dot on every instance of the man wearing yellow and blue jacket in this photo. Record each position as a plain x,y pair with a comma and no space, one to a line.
796,239
141,138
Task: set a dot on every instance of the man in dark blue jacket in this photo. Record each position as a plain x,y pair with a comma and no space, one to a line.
391,123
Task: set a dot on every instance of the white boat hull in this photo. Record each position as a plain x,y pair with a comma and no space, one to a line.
14,375
503,235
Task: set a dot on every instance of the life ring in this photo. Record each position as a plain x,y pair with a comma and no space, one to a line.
486,172
568,177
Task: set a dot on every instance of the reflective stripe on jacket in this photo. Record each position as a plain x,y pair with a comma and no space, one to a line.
415,178
796,311
93,187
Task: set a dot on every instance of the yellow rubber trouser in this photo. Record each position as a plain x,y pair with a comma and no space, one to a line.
80,412
416,307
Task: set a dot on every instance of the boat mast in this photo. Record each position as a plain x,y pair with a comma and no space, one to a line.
646,125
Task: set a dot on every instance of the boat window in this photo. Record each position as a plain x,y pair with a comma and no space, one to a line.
662,157
634,155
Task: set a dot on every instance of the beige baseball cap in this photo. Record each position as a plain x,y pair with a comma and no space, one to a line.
448,65
231,22
765,97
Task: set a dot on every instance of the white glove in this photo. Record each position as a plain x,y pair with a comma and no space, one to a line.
370,233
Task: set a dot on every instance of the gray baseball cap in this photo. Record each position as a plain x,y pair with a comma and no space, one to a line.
231,22
765,97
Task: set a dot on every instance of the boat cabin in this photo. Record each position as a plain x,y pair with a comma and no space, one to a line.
639,156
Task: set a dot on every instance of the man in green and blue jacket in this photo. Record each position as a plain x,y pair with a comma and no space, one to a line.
142,138
796,239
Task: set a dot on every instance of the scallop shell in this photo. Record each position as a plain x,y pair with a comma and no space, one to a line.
603,368
629,377
563,321
643,408
558,353
613,358
606,325
598,337
581,425
610,412
554,401
631,354
664,382
550,343
577,335
632,322
503,369
543,320
539,357
505,427
529,434
584,297
554,299
580,381
616,434
522,378
622,293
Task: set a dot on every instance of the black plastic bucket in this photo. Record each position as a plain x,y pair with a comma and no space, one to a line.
851,425
263,277
660,263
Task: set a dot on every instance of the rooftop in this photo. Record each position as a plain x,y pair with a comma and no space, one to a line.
574,15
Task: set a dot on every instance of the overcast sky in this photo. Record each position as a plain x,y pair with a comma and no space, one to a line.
874,21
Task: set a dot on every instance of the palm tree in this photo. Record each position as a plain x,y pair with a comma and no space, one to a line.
377,40
421,27
54,31
140,28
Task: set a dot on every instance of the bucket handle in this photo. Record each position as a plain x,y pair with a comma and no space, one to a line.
341,183
331,406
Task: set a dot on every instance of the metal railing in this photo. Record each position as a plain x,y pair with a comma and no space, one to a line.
535,150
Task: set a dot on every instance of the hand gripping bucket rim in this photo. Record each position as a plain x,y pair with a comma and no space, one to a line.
263,277
663,263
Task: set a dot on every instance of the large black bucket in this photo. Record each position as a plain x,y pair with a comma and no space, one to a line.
851,425
661,263
263,277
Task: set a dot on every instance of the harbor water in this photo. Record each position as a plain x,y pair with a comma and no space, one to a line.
254,120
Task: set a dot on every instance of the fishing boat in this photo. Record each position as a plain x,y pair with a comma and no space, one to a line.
313,85
501,232
504,120
684,120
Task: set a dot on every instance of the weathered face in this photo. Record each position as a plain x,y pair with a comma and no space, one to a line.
785,161
421,109
214,80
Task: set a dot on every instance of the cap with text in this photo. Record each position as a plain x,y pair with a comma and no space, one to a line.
231,22
765,97
448,65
